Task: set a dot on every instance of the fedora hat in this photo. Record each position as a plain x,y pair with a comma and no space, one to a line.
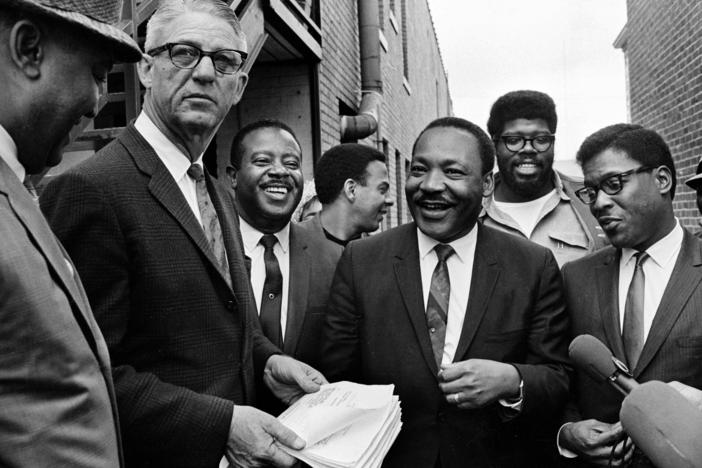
695,182
99,17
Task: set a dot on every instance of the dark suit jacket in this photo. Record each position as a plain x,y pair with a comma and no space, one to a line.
313,260
376,333
182,342
57,401
673,348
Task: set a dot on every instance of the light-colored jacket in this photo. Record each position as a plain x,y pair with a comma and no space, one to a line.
565,224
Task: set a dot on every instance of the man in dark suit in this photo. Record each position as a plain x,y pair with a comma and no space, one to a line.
641,297
467,322
157,243
57,399
290,265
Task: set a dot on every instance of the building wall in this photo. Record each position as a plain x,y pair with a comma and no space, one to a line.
662,42
409,102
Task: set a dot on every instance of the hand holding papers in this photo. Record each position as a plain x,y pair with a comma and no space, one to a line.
345,425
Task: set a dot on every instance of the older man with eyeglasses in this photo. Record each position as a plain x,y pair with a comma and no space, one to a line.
641,296
157,242
531,199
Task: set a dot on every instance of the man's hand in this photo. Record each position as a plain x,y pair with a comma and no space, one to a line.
289,379
691,393
595,440
254,439
478,382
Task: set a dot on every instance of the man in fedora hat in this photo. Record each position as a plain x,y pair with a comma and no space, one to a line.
56,391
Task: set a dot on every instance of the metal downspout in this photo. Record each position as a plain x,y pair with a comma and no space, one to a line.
366,122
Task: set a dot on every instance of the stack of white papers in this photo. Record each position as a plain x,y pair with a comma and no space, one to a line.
345,425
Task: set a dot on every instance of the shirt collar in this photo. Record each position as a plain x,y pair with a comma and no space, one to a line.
173,158
663,251
462,246
251,236
8,153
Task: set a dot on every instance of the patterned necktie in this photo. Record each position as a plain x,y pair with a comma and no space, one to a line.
271,299
438,302
633,330
210,223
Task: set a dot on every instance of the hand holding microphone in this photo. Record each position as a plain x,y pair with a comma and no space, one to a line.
661,422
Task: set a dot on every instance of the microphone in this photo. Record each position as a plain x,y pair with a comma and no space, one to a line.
664,425
593,357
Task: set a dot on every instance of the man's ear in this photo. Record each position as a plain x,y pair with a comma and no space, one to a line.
144,69
231,172
27,47
241,80
664,179
488,184
350,189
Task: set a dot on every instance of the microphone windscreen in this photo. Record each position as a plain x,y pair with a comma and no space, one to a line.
592,356
664,425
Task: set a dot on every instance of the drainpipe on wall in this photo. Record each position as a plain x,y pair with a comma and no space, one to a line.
364,124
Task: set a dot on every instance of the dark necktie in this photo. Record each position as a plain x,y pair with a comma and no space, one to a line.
438,302
271,299
633,330
210,223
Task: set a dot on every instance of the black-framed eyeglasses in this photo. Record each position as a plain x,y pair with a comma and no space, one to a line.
612,185
515,143
227,61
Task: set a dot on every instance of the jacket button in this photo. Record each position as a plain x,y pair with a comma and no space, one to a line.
230,305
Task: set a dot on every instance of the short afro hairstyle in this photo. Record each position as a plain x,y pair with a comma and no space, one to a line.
524,104
342,162
639,143
485,145
237,151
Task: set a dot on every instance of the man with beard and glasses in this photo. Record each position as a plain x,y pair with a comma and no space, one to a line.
290,265
466,321
531,199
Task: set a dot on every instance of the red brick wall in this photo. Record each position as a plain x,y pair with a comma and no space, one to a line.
663,46
405,110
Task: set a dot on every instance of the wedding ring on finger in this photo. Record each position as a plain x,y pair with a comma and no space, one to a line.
455,398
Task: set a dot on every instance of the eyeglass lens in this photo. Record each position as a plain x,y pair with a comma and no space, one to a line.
516,143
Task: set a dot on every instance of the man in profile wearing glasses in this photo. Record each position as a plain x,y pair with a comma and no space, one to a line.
157,242
641,296
531,199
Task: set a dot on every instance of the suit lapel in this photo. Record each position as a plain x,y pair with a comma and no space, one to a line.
409,281
166,191
38,229
607,277
684,280
298,288
485,274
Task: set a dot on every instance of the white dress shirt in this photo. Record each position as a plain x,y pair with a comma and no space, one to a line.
657,271
254,250
460,271
173,158
8,153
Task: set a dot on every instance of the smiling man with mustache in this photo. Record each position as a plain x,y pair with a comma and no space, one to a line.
466,321
158,244
290,264
531,199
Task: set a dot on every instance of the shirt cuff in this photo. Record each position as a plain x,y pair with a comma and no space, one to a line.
564,452
516,402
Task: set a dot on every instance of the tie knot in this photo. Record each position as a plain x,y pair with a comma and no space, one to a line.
640,258
195,171
268,241
443,251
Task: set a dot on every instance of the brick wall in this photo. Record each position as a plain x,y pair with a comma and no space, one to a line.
663,47
409,102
